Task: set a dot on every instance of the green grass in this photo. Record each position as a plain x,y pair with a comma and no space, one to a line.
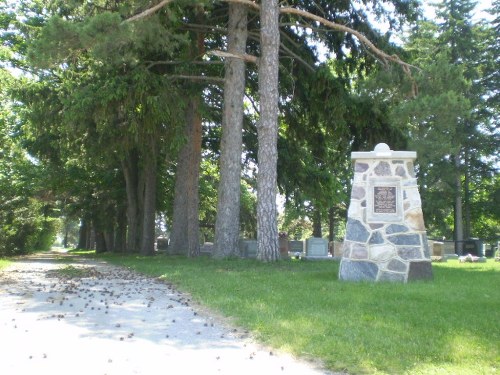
4,263
446,326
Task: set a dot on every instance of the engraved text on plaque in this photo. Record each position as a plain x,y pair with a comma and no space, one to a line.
384,200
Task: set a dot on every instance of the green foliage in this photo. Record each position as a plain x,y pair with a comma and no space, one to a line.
486,209
248,210
24,222
24,228
331,114
449,122
100,87
448,325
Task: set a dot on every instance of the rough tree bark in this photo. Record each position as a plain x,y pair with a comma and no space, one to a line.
131,175
331,224
184,238
178,236
193,196
459,230
121,229
83,234
267,133
467,197
149,211
317,232
227,224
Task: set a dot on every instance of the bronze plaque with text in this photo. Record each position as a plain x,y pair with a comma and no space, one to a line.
384,200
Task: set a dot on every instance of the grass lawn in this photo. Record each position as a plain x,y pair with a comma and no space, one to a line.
4,263
447,326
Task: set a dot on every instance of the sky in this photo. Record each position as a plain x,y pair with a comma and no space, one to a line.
480,13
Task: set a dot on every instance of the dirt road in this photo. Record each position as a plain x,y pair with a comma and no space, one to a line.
73,316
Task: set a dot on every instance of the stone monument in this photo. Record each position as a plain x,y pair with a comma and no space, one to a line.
385,237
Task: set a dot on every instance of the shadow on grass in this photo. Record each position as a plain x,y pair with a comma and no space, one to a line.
449,324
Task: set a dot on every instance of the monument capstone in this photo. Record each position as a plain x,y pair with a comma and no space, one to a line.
385,237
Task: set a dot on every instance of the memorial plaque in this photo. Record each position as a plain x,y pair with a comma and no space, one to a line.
384,200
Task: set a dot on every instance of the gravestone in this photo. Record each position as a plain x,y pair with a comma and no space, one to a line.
207,248
296,247
337,249
248,248
316,247
436,251
162,243
449,250
284,246
385,237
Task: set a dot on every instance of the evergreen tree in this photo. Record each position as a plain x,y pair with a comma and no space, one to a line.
448,125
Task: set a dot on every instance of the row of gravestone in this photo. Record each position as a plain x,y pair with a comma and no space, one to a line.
318,248
311,248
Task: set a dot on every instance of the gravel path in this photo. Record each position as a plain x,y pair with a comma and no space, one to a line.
105,319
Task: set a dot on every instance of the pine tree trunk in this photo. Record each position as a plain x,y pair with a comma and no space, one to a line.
82,234
227,224
121,229
467,196
109,239
100,242
331,224
149,211
317,232
178,235
185,234
131,174
66,234
90,237
194,180
267,133
459,232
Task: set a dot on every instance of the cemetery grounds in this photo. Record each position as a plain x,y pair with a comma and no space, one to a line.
449,325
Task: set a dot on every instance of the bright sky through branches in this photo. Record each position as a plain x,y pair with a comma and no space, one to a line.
479,13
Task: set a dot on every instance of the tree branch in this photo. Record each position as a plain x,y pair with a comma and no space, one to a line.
181,62
335,26
249,3
246,57
290,10
289,52
196,78
149,11
384,57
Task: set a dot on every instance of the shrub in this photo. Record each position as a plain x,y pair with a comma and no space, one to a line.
24,229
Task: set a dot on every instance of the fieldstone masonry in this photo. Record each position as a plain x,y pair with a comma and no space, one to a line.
385,234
